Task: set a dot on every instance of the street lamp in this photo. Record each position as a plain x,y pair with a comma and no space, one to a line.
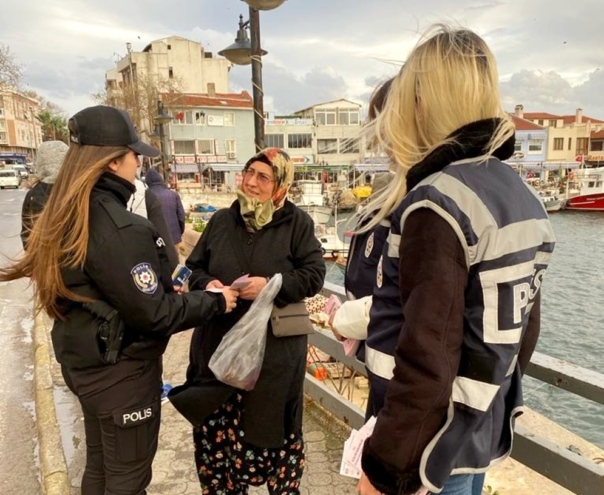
162,118
245,51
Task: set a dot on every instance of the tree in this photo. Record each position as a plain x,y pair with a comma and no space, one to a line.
10,71
140,99
54,124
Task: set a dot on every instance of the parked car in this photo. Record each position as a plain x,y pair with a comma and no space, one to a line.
9,178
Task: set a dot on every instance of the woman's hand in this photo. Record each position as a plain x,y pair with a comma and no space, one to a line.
365,487
214,284
230,298
251,291
333,329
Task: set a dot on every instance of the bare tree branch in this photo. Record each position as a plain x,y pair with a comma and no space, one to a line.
10,70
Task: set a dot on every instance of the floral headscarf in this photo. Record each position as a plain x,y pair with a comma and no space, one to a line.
256,214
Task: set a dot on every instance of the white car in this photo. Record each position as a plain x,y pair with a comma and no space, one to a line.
9,178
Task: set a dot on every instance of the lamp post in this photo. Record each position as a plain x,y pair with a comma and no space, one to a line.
245,51
162,118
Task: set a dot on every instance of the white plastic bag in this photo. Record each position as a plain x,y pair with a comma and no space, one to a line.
238,359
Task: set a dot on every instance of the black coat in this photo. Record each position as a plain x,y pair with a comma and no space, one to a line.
286,245
33,204
127,267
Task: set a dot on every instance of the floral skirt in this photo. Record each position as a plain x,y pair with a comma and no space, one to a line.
226,465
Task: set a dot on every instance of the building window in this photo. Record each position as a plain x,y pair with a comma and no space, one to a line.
325,116
535,146
184,147
169,47
540,122
558,144
230,146
2,124
273,140
348,116
327,146
570,143
205,146
229,119
170,72
517,146
2,136
582,146
350,146
597,146
299,140
552,123
182,118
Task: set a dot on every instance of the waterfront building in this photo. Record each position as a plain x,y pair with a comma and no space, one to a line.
20,130
323,140
210,137
569,136
168,64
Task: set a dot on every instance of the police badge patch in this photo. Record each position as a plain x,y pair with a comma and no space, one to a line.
144,278
379,275
369,246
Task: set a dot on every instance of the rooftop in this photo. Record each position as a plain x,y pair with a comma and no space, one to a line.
221,100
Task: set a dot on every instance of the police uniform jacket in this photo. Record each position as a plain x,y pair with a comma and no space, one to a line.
352,318
455,315
225,251
127,267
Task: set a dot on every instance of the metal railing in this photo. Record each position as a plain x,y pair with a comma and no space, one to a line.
564,467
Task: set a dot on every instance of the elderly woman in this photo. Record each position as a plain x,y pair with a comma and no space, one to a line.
252,438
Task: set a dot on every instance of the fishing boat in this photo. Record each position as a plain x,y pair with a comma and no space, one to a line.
590,182
551,203
332,246
309,197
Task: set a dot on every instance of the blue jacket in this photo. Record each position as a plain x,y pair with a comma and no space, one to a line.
171,205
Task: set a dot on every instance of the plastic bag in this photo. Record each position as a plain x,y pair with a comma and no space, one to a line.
238,359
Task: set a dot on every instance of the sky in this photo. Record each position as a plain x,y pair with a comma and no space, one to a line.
550,53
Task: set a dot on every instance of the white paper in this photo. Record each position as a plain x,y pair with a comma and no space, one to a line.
353,450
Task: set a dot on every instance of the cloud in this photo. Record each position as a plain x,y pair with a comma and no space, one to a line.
547,53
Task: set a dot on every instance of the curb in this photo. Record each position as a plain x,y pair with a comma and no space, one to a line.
52,459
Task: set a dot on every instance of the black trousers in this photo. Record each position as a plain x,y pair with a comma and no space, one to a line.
122,412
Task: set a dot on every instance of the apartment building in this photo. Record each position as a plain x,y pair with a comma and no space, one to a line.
321,138
173,58
569,136
210,133
168,64
20,130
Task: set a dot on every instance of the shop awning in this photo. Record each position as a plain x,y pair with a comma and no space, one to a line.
371,167
226,167
188,168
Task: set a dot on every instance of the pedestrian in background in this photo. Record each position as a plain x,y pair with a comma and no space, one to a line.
48,162
101,272
252,438
174,212
456,306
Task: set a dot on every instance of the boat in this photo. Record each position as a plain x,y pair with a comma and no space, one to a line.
551,203
309,197
331,245
590,183
319,213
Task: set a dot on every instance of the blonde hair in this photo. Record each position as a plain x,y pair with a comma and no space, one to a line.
59,237
449,80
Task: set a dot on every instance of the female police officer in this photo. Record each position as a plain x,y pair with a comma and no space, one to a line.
102,274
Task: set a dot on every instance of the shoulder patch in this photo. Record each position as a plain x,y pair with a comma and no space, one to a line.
144,278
